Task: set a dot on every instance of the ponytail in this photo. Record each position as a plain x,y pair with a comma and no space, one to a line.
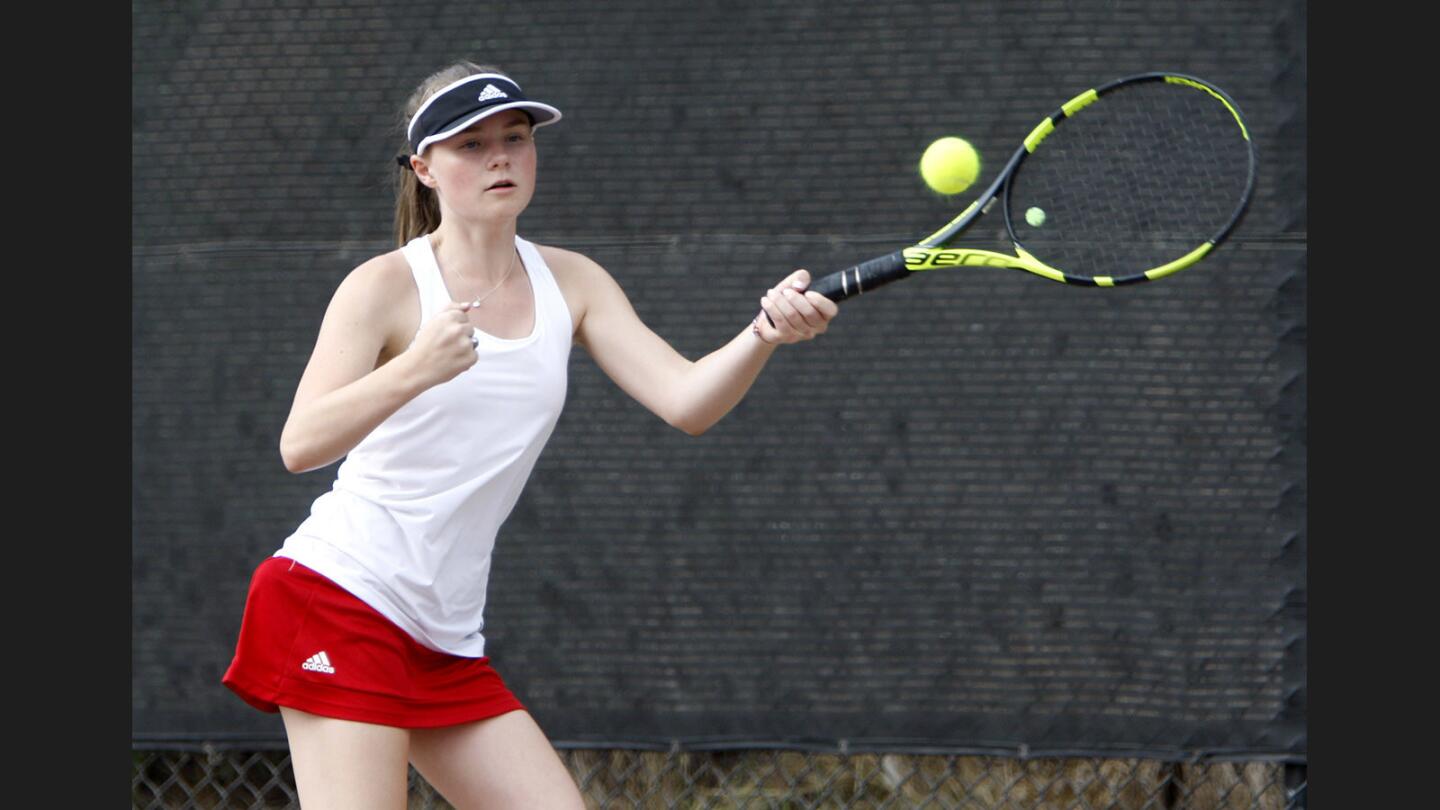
417,209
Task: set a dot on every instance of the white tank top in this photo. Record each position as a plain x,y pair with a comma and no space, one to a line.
410,523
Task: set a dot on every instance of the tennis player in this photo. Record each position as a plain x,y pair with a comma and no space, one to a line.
438,374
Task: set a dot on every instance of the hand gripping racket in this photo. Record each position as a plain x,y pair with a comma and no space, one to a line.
1132,181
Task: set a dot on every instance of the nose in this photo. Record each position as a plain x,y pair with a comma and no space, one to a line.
498,157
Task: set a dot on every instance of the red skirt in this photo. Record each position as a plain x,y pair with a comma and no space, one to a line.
309,644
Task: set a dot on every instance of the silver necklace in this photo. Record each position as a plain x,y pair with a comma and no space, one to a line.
503,279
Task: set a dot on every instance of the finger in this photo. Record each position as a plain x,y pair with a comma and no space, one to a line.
799,280
808,313
454,317
806,320
787,311
779,324
827,308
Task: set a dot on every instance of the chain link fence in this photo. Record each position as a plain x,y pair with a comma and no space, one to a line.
781,779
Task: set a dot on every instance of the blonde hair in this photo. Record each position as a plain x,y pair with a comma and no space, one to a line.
417,209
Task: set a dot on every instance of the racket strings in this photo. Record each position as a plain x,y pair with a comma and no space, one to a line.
1136,180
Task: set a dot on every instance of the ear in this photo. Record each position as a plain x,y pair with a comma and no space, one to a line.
422,171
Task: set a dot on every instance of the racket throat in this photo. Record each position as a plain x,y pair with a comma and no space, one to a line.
918,259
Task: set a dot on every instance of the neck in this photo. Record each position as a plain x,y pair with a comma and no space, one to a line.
478,254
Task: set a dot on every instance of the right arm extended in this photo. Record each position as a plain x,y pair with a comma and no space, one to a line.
342,395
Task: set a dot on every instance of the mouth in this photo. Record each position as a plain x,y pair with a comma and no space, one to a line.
500,184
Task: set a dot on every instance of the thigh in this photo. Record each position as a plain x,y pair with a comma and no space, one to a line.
343,764
501,762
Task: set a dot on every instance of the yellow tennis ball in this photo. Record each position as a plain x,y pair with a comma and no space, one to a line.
950,165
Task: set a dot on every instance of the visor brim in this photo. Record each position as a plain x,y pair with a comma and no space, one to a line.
543,114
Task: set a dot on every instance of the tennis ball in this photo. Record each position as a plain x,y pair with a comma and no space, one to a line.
1035,216
949,165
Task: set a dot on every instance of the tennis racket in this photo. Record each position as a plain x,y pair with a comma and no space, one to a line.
1131,181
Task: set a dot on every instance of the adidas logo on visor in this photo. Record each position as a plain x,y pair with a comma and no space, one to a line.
491,91
319,662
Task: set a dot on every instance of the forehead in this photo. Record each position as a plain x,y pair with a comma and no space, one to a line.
501,120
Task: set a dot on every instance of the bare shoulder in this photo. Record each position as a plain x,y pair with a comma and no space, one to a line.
379,278
580,279
569,266
381,292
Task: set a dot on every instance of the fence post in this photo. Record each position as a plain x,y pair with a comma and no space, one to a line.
1295,786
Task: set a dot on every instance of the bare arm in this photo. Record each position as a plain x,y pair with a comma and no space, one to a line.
691,396
343,396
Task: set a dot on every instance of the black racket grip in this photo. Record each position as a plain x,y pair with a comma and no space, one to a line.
858,280
862,278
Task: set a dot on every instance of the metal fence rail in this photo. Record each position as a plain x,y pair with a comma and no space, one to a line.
623,778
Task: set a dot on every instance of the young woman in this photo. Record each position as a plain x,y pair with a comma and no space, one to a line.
438,375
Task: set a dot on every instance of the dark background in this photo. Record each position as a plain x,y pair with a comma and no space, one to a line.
984,510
